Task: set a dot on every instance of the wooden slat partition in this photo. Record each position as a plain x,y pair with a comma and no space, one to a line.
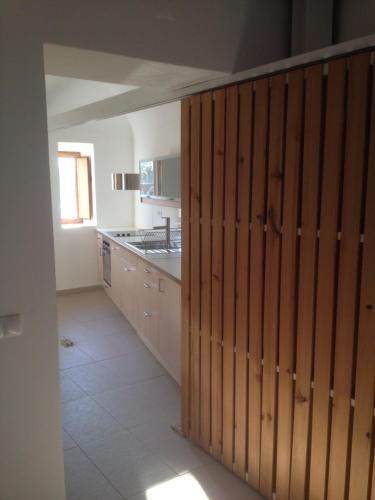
278,279
288,280
242,283
217,275
256,284
348,279
362,448
306,284
206,249
326,276
272,275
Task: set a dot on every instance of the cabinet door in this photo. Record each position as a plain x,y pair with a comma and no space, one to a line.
129,270
116,275
169,324
99,256
148,307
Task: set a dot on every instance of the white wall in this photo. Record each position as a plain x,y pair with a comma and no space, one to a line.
75,247
156,132
31,458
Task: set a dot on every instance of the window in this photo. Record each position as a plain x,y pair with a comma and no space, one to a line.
75,187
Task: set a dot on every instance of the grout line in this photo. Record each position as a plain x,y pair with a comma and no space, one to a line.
101,472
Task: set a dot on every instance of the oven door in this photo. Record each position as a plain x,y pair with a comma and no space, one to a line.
106,252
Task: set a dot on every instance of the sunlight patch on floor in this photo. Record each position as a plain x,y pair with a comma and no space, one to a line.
183,487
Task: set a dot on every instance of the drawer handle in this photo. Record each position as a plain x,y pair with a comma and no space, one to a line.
146,285
129,269
147,314
147,270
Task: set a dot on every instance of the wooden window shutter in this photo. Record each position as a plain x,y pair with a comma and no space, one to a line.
84,191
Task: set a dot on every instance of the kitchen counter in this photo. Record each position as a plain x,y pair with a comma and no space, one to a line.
168,263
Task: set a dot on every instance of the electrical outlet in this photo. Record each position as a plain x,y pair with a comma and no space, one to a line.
10,326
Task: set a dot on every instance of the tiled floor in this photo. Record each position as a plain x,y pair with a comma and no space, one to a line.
118,404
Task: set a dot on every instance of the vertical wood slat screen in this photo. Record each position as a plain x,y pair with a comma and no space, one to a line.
278,279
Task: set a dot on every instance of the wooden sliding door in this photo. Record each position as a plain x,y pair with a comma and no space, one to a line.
278,279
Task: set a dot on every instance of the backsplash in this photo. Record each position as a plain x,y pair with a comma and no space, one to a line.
152,215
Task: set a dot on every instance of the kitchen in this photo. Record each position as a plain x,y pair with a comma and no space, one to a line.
119,302
271,108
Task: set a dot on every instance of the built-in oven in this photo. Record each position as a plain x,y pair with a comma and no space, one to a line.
106,255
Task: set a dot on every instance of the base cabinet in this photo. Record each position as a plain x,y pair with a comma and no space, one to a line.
151,301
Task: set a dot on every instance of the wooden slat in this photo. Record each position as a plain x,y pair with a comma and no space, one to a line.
242,281
326,285
271,293
258,218
230,206
306,292
185,267
348,267
288,274
365,374
206,248
217,272
195,164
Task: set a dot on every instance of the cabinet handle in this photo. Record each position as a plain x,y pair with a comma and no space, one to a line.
114,248
129,269
147,314
161,285
146,285
147,270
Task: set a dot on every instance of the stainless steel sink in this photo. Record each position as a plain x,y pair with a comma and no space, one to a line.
156,246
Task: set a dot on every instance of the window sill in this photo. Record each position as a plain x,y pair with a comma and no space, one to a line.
90,224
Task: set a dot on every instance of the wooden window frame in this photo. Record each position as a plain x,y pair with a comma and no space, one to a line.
74,154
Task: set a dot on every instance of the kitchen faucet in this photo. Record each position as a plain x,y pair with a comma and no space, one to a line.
167,228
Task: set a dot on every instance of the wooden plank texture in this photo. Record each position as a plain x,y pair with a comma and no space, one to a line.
278,297
242,282
230,205
271,293
217,273
288,277
206,248
258,219
195,163
362,448
185,267
306,291
326,285
348,272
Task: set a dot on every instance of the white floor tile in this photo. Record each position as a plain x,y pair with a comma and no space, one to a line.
128,464
95,378
72,356
70,391
87,422
118,439
135,367
220,484
129,407
84,481
68,442
114,344
180,454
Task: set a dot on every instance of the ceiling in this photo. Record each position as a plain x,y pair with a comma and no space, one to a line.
64,94
114,68
77,77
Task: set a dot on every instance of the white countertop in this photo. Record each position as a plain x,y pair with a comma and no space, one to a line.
168,263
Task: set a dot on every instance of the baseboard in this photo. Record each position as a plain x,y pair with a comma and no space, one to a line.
68,291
